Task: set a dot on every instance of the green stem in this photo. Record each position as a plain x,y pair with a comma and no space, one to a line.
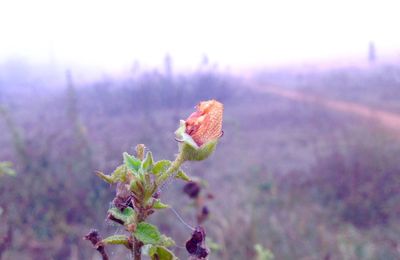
179,160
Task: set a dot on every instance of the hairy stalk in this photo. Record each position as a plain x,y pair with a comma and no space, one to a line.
137,244
179,160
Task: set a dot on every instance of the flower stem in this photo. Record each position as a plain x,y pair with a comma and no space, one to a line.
174,167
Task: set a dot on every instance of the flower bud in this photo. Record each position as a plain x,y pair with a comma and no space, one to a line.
205,124
200,132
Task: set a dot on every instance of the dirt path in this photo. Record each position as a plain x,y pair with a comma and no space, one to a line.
387,119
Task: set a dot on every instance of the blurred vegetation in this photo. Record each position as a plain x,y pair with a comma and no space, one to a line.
6,168
302,181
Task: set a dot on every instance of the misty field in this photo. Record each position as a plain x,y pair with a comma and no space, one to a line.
299,179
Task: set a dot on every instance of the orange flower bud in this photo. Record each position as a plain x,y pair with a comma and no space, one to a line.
205,124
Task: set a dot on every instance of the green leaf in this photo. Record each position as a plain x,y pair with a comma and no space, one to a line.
182,175
118,175
147,233
104,177
131,162
161,166
161,253
148,162
128,215
166,241
116,240
136,186
159,205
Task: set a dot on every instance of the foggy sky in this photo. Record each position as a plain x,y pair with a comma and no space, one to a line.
113,34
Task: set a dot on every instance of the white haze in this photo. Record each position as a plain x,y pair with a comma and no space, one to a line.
111,35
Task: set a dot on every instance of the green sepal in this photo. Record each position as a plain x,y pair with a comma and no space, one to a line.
127,216
182,175
161,253
147,233
131,162
195,153
182,136
188,147
117,240
160,167
159,205
148,162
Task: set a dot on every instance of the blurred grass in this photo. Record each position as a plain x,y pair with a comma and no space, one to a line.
274,174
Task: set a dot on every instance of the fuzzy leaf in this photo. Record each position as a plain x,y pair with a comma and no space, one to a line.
118,175
182,175
166,241
131,162
159,205
128,215
116,240
161,166
147,233
161,253
148,162
104,177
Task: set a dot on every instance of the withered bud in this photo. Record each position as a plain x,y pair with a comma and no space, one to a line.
195,245
93,236
203,214
157,194
192,189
